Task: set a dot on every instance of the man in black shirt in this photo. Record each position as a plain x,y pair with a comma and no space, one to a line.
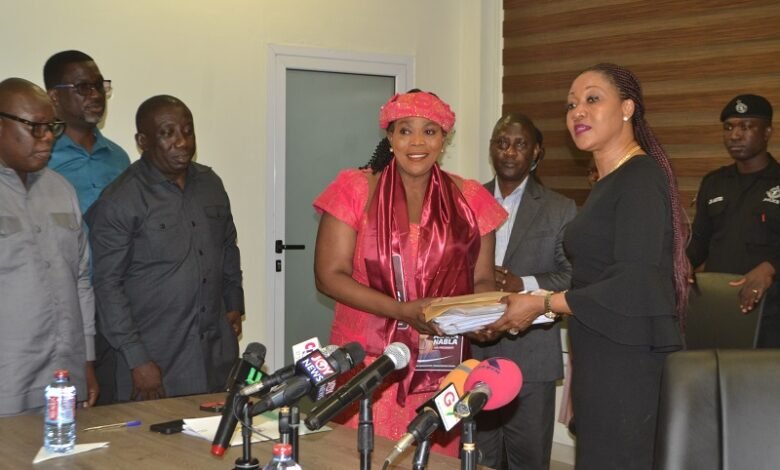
167,273
737,223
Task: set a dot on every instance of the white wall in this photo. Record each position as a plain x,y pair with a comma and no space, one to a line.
213,56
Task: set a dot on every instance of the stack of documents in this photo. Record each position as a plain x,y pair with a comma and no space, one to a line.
459,320
467,313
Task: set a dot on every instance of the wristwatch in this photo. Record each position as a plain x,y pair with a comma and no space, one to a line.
547,309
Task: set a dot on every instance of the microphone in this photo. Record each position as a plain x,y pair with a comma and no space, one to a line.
395,357
311,372
459,374
435,412
492,384
244,371
282,375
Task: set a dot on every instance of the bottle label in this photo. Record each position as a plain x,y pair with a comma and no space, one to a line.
53,408
60,407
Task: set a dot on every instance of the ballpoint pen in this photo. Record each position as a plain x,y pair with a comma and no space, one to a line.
128,424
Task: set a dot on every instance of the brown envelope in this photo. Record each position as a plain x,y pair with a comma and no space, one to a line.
437,307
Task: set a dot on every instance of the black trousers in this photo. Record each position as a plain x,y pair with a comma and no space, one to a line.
105,370
519,435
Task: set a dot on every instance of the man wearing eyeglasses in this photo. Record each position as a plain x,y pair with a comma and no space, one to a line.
87,159
47,305
529,255
82,155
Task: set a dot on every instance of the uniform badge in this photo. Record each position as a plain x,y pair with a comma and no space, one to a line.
741,107
773,195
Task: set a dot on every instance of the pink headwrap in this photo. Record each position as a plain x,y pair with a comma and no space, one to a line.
418,104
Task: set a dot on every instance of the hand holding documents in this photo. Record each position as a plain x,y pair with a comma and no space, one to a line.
467,313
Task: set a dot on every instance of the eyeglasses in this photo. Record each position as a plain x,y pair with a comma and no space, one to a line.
503,144
38,129
86,88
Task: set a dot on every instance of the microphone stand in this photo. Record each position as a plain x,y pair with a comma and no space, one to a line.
295,420
284,425
289,421
365,434
420,459
246,461
468,453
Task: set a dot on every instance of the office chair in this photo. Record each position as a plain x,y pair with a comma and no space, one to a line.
714,319
719,410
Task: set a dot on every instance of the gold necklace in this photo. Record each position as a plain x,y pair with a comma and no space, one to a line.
625,158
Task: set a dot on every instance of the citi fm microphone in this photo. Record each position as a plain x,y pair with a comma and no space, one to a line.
395,357
243,372
311,372
438,411
492,384
281,375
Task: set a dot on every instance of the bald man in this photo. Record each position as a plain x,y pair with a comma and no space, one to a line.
47,317
166,264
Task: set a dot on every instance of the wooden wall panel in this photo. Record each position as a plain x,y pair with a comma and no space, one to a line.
692,57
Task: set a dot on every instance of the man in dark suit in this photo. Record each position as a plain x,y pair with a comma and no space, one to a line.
529,248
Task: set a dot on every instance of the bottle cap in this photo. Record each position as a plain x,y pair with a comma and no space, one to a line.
281,449
61,374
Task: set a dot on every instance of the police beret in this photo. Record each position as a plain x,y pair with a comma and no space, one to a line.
747,106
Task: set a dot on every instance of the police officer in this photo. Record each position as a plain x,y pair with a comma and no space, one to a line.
737,223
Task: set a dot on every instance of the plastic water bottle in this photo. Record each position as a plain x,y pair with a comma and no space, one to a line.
59,424
282,458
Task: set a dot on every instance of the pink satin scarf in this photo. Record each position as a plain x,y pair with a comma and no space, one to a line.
449,243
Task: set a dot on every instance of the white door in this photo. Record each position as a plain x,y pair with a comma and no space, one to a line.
329,123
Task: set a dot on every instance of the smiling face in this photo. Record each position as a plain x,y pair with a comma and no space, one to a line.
595,113
19,149
417,143
83,112
513,151
167,138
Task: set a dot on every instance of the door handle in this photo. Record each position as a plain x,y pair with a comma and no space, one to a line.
280,246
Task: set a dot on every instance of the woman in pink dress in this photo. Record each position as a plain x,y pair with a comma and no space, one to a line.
439,229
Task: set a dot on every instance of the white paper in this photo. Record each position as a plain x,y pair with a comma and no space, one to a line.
459,320
44,454
268,424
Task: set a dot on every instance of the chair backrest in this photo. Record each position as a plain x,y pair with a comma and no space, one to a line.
714,319
719,410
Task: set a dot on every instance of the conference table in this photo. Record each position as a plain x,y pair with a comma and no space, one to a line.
137,448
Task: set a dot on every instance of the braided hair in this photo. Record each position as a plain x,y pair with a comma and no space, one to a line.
629,88
381,157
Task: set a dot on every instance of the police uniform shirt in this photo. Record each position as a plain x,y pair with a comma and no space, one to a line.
737,222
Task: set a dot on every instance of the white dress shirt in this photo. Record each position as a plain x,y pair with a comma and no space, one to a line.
510,204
